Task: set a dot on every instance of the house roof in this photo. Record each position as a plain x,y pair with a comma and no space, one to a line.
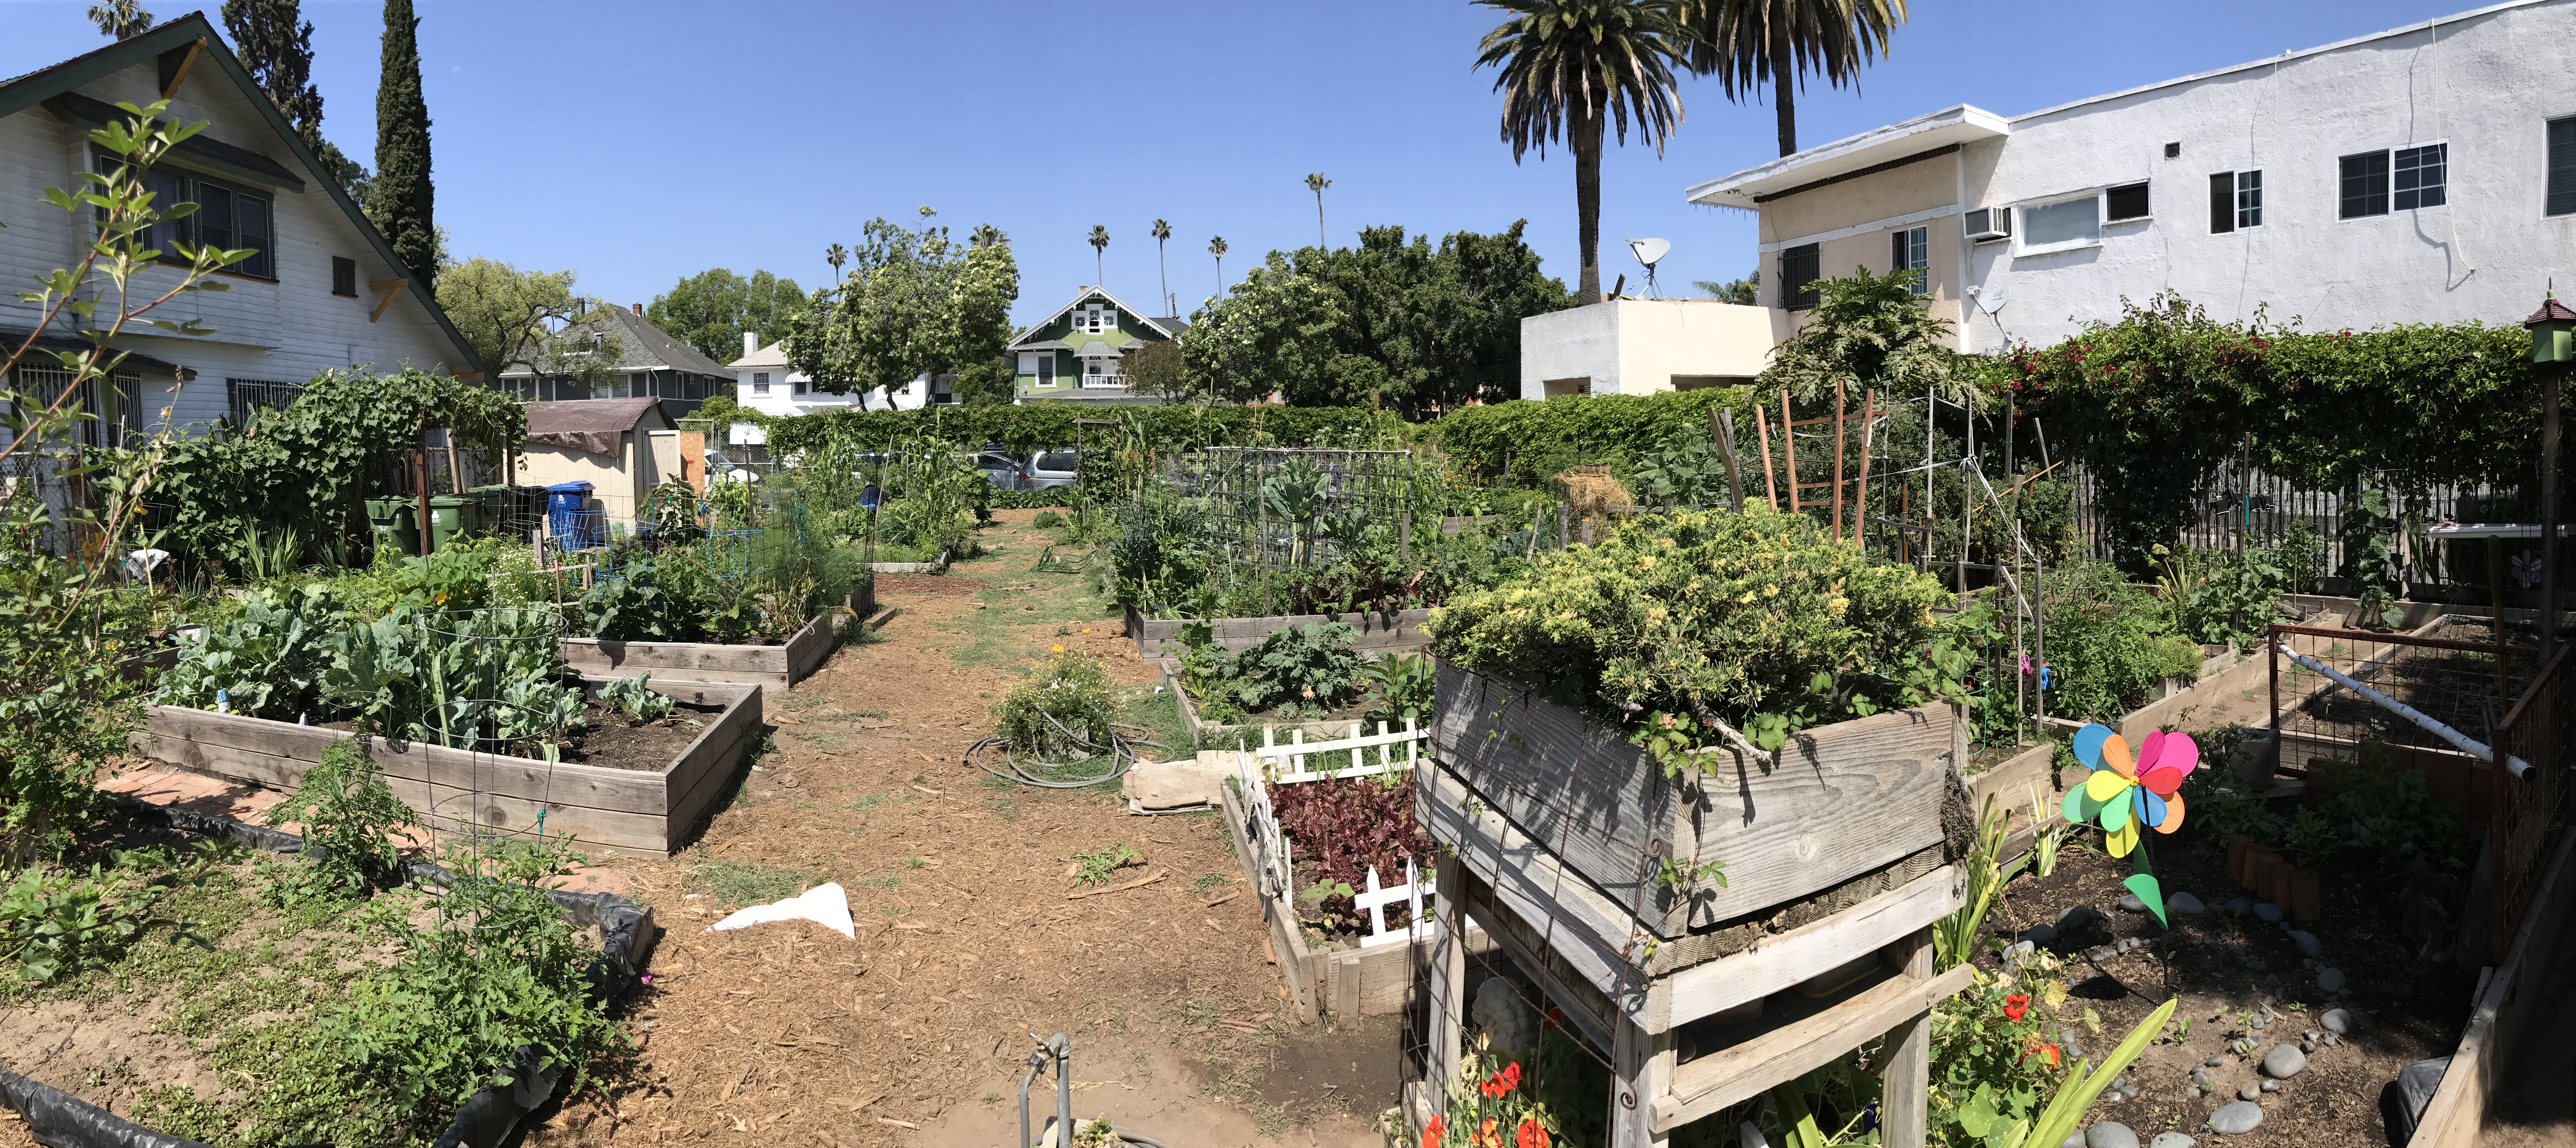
173,39
1023,342
592,425
773,354
641,346
1909,139
1095,349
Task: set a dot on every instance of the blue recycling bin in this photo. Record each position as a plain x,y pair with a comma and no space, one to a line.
565,514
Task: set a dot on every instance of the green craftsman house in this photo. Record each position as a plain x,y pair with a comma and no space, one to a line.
1078,353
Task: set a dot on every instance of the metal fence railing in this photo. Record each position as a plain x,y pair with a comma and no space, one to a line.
2252,508
2539,729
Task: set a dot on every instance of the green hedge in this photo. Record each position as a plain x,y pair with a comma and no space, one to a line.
1542,438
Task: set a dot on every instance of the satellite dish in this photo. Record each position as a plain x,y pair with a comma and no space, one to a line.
1991,300
1650,252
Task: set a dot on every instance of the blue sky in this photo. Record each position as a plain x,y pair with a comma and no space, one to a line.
643,141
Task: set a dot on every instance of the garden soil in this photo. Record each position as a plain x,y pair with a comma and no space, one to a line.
2405,1009
915,1033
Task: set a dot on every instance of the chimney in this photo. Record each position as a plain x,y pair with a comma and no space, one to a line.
750,344
639,308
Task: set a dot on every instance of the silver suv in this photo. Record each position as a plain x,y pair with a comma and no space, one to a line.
1048,469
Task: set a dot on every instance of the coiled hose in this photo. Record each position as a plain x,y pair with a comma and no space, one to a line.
1121,752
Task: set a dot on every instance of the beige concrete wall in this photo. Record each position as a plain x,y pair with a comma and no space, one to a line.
1641,346
618,484
1931,185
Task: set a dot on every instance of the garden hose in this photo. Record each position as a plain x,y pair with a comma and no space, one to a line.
1121,751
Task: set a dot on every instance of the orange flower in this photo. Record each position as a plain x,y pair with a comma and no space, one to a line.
1530,1134
2015,1005
1431,1133
1486,1137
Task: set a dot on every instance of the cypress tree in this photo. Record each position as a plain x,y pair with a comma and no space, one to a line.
399,198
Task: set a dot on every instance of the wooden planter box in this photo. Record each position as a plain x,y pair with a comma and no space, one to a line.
1250,732
1845,801
938,565
780,665
1380,632
638,813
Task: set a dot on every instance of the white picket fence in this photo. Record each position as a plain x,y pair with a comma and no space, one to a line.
1277,764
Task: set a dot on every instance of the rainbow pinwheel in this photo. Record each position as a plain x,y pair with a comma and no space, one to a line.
2122,795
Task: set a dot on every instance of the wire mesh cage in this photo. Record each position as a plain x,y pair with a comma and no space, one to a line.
1266,502
500,705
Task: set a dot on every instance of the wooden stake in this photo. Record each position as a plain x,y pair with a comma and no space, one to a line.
1724,421
1770,486
1789,446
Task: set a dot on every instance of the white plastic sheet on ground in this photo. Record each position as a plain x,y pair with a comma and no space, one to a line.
824,904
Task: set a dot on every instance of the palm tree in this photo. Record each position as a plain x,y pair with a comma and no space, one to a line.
1216,247
123,19
1315,182
1567,64
1162,231
1099,244
836,255
1746,43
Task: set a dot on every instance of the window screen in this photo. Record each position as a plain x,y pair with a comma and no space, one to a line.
2365,185
2562,167
2126,202
344,276
760,382
2065,221
1800,267
2420,172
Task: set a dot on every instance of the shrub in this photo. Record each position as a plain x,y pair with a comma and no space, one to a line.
2109,643
348,818
1758,619
1312,665
1063,704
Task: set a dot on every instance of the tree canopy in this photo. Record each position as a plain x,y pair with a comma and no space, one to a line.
911,302
712,309
275,44
1871,331
513,319
399,198
1394,323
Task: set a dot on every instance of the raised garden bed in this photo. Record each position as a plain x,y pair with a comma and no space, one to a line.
1400,630
2230,968
780,665
1250,732
71,1096
646,811
937,565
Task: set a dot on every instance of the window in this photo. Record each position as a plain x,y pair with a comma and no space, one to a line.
2235,200
760,382
2365,185
2128,201
1046,370
344,276
2562,167
1108,319
802,386
1800,267
1911,250
2419,175
2065,223
228,217
245,395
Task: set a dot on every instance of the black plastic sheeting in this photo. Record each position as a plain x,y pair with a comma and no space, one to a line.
58,1120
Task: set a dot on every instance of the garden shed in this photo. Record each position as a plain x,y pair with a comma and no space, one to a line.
608,443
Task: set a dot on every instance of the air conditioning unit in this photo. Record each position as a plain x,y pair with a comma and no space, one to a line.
1989,223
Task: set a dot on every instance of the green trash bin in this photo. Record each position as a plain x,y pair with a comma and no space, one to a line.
450,516
394,522
491,508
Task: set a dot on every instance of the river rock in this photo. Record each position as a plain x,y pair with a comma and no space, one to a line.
2330,980
2200,1079
2110,1134
2075,917
2267,912
2189,906
2129,903
2336,1021
2237,1119
2250,1092
2271,1086
2307,942
2170,1140
2214,1061
2284,1062
2039,934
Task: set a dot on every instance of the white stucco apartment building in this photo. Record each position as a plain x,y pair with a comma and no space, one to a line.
323,291
1641,346
2422,174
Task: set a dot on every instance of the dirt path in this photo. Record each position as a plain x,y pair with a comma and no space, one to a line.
967,941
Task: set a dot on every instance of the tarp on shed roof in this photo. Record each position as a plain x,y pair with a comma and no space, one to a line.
591,425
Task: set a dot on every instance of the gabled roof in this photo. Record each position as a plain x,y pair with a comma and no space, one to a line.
641,346
591,425
22,92
1021,342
